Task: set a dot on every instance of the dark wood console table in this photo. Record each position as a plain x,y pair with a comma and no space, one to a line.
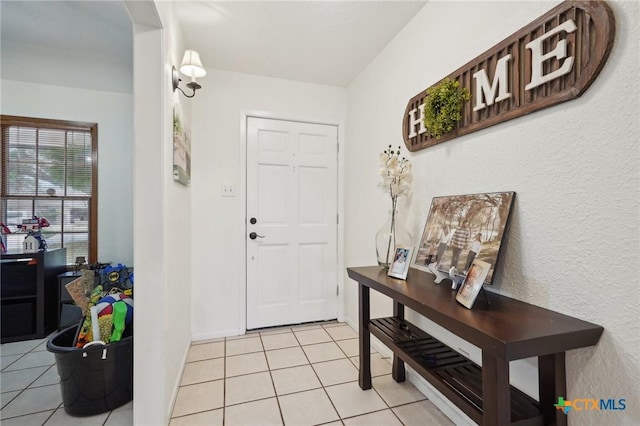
505,330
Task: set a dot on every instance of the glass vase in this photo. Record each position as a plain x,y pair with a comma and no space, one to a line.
391,235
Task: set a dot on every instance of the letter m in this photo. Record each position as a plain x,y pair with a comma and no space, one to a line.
483,90
609,404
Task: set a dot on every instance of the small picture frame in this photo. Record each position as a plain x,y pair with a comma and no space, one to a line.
401,261
472,283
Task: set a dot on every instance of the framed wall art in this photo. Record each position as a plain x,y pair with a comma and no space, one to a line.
463,228
181,149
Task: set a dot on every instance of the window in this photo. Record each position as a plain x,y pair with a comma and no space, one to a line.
49,169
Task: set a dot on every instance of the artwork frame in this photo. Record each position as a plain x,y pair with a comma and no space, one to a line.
445,243
181,149
473,282
401,262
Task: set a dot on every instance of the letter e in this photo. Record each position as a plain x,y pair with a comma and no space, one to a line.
559,52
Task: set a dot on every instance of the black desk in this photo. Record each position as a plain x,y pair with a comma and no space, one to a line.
29,293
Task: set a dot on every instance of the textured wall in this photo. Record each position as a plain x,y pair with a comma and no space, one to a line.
573,243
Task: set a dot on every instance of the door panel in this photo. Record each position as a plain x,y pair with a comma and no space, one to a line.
273,194
312,259
292,193
313,193
271,257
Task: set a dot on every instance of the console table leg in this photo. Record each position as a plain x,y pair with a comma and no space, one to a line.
398,371
496,394
364,379
552,384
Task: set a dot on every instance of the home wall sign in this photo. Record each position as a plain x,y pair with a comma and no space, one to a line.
552,60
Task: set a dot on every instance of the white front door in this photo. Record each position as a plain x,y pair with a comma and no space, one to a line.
291,222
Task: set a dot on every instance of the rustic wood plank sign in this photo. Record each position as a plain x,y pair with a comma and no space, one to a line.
552,60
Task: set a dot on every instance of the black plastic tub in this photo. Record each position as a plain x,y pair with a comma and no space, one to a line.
96,379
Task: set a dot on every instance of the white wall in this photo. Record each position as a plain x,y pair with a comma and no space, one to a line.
162,218
66,67
218,235
177,217
114,114
573,244
149,372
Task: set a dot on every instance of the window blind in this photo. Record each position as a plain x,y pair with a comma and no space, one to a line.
48,170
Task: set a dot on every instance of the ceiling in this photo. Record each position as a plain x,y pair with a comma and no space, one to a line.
324,42
80,44
101,27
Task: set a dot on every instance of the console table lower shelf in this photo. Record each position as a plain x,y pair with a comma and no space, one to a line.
457,377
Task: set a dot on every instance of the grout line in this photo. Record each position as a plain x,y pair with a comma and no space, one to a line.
300,391
53,410
21,391
273,384
206,381
317,343
372,412
245,353
318,377
27,368
224,383
194,413
107,419
205,359
4,370
246,402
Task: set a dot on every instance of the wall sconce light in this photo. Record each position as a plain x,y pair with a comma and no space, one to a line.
191,67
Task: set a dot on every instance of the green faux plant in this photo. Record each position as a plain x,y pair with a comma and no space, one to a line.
443,106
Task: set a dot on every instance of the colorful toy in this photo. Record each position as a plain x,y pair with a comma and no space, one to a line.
86,334
120,311
33,227
115,276
4,229
105,306
106,324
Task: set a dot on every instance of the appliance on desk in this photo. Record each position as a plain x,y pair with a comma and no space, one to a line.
29,293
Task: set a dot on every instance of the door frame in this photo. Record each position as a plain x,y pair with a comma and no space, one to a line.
242,194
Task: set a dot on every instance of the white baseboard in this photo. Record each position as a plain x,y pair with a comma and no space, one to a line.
196,337
176,386
447,407
440,401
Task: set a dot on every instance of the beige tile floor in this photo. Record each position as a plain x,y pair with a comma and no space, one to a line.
31,392
293,375
305,375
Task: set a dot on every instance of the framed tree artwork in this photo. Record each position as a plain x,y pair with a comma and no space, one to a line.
463,228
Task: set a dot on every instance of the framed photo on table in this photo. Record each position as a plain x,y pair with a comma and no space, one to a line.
401,261
472,283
